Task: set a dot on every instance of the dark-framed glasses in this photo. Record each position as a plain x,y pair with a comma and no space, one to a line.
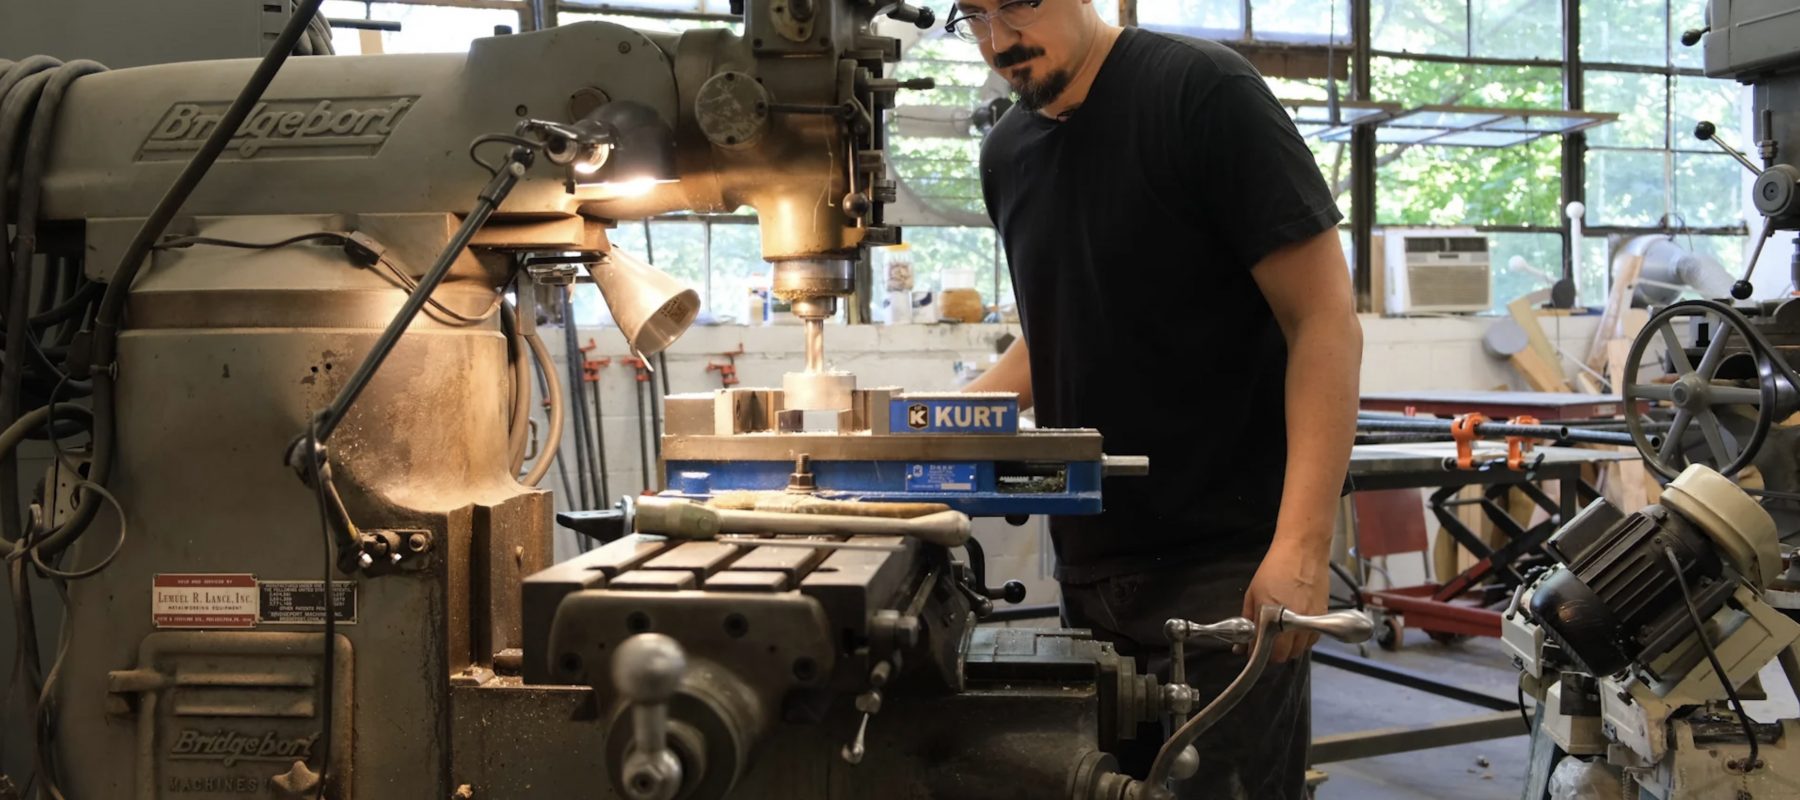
977,26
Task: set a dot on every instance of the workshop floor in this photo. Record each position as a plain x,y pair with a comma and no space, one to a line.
1344,702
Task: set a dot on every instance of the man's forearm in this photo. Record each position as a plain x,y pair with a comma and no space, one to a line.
1324,364
1012,373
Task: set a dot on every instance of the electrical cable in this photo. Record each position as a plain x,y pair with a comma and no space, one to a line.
553,397
46,721
1343,574
25,655
327,691
104,335
45,724
1523,717
1713,657
571,357
1771,494
16,105
519,423
553,444
71,575
183,242
656,400
27,633
17,275
69,308
643,443
599,465
48,287
359,252
487,138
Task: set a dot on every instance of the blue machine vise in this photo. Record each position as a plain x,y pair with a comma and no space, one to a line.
966,451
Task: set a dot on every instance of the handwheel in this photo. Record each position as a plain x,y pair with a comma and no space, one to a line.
1695,392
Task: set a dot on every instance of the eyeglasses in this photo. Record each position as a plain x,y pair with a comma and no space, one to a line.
978,26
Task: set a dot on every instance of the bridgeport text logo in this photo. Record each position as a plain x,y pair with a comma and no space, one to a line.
335,128
229,747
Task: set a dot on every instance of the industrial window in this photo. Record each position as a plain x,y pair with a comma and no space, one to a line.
1647,172
1301,21
423,28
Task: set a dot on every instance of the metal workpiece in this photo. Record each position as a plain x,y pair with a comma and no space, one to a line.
818,391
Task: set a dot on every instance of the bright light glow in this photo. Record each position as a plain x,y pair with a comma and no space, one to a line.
634,187
591,158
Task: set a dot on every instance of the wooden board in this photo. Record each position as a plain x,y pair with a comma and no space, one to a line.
1523,312
1617,304
1538,363
1539,374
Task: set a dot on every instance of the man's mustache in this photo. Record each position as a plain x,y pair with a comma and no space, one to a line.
1017,54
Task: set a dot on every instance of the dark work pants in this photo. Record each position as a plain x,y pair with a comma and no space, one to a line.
1259,749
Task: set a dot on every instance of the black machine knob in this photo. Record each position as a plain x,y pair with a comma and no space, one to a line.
921,17
1691,37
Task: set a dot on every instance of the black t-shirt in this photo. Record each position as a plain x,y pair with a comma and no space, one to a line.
1131,228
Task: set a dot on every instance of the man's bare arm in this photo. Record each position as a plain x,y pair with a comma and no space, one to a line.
1307,285
1012,373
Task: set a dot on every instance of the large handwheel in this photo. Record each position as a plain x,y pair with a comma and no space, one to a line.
1696,392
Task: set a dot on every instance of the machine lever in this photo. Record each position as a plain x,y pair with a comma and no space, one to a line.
1012,591
1708,132
1344,626
921,17
647,669
869,703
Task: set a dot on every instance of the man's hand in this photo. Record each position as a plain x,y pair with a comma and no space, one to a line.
1292,577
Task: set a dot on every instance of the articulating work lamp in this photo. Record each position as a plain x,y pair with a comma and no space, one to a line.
621,144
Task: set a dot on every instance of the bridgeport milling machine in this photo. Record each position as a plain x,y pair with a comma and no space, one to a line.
269,270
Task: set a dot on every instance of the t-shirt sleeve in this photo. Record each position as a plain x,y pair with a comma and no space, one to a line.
1259,186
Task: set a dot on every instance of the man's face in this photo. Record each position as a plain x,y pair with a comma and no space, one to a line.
1038,61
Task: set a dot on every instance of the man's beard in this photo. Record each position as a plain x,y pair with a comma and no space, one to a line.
1033,94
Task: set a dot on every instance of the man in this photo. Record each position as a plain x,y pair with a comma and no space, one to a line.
1165,225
